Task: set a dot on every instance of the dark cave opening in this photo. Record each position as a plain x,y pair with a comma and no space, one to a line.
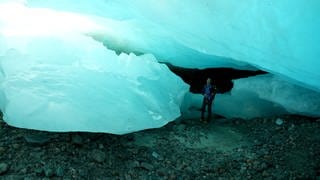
222,77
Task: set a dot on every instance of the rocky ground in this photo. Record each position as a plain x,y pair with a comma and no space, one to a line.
271,148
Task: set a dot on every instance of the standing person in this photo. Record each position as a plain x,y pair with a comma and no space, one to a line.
209,92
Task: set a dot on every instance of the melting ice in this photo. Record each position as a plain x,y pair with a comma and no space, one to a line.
93,66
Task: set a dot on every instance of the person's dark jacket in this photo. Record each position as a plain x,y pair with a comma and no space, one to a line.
212,90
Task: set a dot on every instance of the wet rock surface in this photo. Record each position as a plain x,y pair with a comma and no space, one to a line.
185,149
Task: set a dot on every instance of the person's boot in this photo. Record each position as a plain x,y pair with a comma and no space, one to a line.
208,120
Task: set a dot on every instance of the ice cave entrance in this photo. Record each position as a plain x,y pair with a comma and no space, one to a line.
118,67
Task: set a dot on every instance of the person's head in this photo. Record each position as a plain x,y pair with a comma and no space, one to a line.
209,81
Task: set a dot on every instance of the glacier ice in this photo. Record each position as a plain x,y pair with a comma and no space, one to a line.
293,98
93,65
259,96
76,84
280,37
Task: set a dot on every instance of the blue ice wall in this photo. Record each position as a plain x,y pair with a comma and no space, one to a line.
93,65
278,36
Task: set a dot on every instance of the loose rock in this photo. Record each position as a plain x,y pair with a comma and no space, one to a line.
77,139
59,171
147,166
279,121
3,168
98,156
37,139
48,172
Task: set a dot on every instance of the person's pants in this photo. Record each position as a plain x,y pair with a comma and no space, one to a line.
208,104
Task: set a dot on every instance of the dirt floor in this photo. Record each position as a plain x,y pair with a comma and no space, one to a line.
285,147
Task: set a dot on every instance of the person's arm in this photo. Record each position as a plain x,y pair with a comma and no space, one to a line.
213,91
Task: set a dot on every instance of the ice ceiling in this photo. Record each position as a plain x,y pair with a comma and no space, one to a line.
93,65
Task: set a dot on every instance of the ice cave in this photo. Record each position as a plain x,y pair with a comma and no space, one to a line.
121,66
